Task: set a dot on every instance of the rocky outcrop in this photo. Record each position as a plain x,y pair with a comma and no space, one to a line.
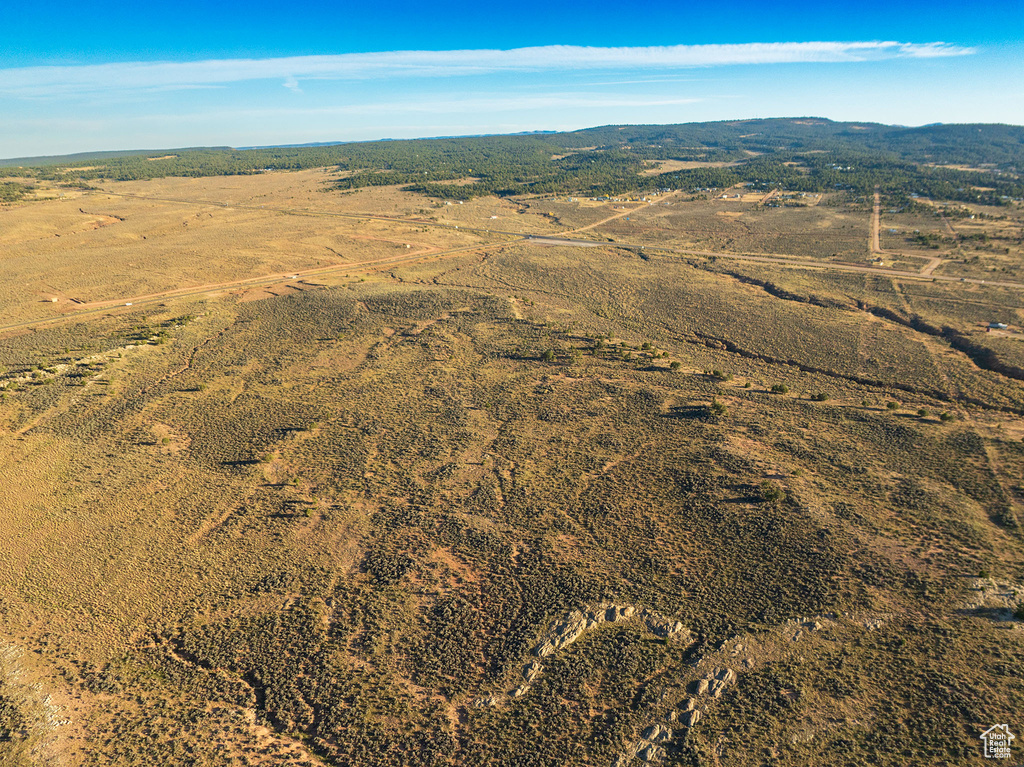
723,679
653,739
661,626
574,625
718,665
1000,599
657,733
532,670
564,633
651,753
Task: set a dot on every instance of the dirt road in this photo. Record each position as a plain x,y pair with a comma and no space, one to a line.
407,259
876,243
825,265
209,289
544,240
876,224
619,215
314,213
949,226
931,266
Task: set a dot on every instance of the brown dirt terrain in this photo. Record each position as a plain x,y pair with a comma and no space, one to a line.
262,520
667,166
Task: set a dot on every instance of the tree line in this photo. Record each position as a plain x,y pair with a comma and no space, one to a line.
807,155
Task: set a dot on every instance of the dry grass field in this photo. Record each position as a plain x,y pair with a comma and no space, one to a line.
743,225
333,520
150,237
977,241
667,166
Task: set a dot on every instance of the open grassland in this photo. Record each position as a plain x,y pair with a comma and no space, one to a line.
336,523
100,247
311,192
656,167
970,240
744,225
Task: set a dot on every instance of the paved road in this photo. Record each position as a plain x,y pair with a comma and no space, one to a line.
545,240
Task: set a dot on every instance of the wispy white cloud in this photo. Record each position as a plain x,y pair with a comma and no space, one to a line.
163,75
667,80
473,104
483,104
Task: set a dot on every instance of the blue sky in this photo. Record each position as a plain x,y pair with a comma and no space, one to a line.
81,77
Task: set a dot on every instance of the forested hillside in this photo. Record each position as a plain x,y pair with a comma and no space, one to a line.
811,155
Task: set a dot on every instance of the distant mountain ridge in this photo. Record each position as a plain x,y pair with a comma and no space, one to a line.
422,138
79,157
992,143
965,163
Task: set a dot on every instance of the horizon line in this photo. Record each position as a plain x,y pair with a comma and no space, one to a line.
540,131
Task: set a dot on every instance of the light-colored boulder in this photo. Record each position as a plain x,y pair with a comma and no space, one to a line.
568,631
661,626
532,670
651,753
651,732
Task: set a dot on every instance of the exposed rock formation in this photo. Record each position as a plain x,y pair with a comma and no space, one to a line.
570,628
